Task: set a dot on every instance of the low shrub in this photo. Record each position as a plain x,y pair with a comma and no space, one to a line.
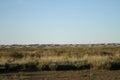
115,64
42,66
81,65
16,55
31,66
53,66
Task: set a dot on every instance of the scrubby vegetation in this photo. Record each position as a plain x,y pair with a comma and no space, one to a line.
62,58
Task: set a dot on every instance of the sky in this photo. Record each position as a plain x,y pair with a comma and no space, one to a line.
59,21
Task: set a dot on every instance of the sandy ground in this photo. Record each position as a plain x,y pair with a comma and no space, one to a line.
65,75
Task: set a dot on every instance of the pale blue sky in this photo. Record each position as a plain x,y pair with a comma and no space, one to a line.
59,21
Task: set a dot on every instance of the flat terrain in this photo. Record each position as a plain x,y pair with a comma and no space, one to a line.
99,62
59,58
65,75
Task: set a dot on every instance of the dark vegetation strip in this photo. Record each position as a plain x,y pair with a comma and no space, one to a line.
41,67
54,67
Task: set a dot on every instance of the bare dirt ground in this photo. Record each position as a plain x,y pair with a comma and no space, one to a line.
65,75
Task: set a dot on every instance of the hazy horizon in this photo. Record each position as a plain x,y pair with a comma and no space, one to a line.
59,21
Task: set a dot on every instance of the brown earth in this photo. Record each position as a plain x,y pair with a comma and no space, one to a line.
65,75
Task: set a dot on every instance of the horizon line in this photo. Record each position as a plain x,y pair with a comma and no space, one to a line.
58,43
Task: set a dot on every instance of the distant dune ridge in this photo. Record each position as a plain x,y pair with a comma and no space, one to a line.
60,45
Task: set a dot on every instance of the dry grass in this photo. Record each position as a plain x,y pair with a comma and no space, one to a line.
55,58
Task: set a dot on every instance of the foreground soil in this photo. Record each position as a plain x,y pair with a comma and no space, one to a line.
65,75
